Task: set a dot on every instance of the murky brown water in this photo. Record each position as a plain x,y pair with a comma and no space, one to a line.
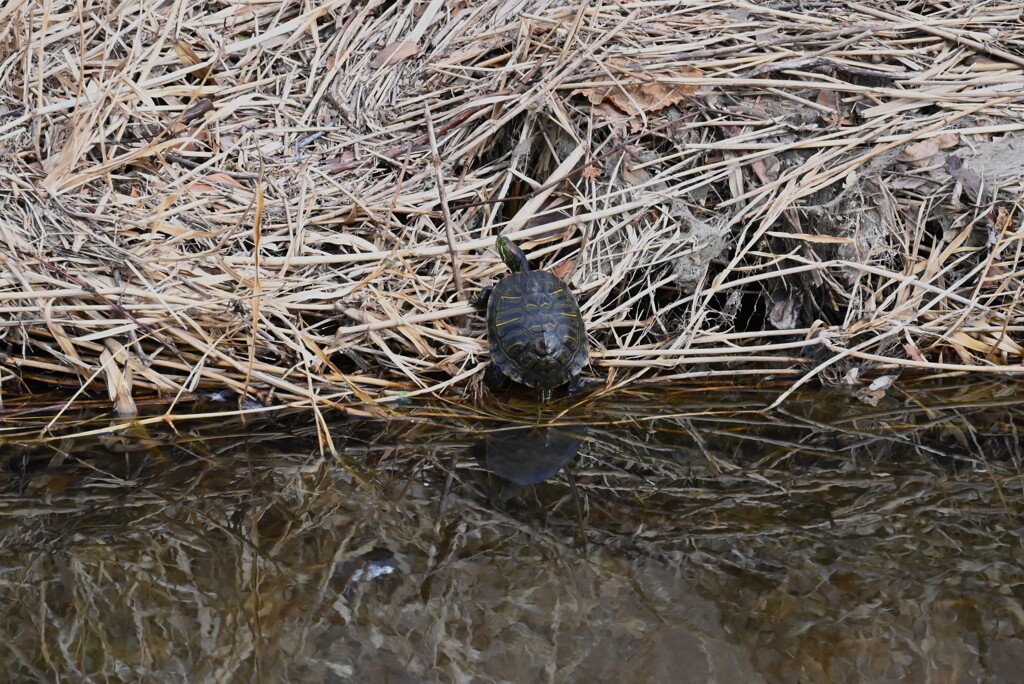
678,536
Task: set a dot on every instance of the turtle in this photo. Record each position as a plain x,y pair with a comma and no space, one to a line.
534,327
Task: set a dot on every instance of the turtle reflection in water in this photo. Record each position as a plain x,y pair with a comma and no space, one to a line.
534,327
530,455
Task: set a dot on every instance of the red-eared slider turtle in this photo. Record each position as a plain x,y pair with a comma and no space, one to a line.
534,325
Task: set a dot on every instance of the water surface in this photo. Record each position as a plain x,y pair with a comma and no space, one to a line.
679,535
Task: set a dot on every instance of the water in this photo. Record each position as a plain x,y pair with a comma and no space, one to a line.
678,536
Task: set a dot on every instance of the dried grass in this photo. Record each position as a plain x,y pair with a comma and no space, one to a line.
293,202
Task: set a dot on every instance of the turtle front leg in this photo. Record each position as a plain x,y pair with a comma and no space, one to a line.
480,300
578,384
493,377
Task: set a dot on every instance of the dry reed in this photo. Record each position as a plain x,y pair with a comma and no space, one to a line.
293,202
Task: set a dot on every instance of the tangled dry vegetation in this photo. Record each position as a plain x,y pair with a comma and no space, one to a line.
294,201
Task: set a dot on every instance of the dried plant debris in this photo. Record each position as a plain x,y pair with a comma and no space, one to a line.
215,198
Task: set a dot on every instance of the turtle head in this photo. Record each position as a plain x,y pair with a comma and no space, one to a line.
512,255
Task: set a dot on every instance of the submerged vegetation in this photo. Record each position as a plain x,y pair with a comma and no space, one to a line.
829,542
295,202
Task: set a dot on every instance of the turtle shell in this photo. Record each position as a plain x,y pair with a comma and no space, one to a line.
535,329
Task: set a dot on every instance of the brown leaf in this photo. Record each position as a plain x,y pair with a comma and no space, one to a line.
914,352
345,162
920,153
870,397
394,53
552,211
767,169
632,176
908,182
564,268
875,392
1003,219
971,181
199,188
948,140
610,114
224,179
592,171
648,95
53,483
995,273
830,99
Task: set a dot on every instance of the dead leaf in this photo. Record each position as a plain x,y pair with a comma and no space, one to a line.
830,99
610,114
186,54
870,397
766,169
633,176
53,483
394,53
224,179
919,153
908,182
995,273
648,95
551,211
200,188
948,140
592,171
1003,220
785,313
914,352
346,162
563,269
967,177
882,382
984,343
875,392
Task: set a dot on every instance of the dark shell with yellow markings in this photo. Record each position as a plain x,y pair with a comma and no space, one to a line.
535,329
